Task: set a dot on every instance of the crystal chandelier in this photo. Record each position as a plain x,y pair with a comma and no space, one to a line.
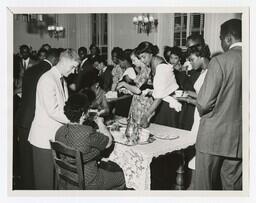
145,23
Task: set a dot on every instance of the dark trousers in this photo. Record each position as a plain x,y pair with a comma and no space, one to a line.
25,165
43,168
217,172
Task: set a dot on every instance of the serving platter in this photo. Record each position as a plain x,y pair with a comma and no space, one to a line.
167,137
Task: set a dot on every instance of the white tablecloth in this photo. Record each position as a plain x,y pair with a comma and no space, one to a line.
135,160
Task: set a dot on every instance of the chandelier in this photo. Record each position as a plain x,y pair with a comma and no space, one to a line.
145,23
55,30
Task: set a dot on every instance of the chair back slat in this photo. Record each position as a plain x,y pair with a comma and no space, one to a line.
68,165
63,149
69,180
65,165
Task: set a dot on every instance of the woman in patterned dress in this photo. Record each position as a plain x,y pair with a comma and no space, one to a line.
140,103
98,175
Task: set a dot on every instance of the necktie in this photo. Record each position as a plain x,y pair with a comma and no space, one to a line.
24,64
62,80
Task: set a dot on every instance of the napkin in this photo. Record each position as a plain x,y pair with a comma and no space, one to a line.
111,95
173,103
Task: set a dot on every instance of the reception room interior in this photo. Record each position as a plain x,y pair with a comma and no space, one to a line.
159,163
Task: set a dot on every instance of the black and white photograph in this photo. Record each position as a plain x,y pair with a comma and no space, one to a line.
128,101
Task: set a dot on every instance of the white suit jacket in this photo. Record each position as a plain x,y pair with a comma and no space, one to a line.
49,113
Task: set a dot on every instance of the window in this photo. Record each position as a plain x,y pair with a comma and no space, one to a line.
186,24
100,32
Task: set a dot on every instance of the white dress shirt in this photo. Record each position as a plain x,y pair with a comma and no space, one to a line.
25,63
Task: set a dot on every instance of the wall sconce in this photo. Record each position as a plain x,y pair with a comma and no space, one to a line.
145,23
56,31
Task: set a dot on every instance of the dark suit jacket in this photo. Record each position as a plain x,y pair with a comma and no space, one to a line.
220,106
86,64
26,111
106,79
19,72
86,69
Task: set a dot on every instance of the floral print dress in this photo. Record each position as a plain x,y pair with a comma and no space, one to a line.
140,103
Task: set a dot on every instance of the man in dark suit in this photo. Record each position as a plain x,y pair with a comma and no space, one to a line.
105,74
82,52
84,66
25,62
25,115
85,69
219,139
74,77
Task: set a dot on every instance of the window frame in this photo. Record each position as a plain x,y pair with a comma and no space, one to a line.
188,26
98,32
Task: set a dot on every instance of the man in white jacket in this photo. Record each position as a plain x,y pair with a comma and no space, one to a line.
51,95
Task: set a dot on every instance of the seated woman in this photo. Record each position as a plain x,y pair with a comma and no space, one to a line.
140,103
164,105
105,176
117,71
91,81
129,74
122,106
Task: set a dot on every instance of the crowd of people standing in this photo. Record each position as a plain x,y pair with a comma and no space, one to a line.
53,92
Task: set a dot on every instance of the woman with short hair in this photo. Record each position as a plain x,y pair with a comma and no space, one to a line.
91,143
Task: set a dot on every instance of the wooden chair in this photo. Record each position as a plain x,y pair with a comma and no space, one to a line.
68,165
